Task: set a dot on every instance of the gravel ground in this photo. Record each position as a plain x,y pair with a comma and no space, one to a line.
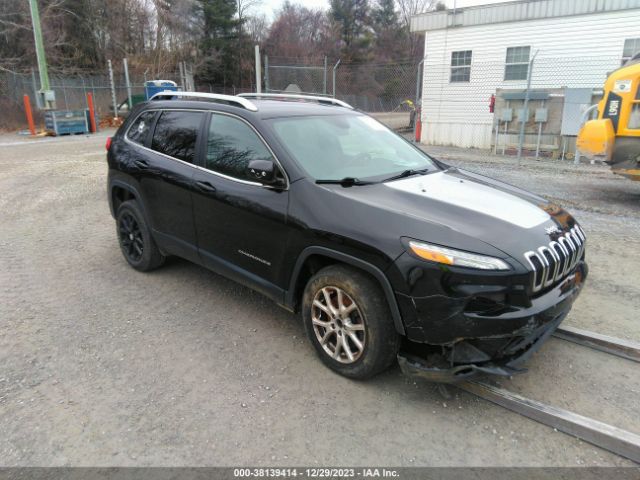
102,365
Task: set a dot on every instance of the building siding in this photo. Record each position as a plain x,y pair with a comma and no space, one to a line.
574,52
515,11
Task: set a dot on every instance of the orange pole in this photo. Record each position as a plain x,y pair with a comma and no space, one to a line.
27,111
92,115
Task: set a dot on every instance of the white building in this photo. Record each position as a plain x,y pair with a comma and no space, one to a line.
471,53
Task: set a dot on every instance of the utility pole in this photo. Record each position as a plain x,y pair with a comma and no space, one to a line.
125,64
324,79
113,89
48,99
525,108
335,67
258,71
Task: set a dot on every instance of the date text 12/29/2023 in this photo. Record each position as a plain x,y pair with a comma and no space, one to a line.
315,472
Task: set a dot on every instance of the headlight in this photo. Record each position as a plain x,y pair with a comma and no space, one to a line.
449,256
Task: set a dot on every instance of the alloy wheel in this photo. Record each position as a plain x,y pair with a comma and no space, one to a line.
338,324
131,237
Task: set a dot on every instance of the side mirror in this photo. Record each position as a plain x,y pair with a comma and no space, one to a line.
263,171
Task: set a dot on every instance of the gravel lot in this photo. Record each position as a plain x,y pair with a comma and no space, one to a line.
102,365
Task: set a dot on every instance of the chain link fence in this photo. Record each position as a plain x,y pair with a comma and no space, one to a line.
71,92
291,76
464,102
387,91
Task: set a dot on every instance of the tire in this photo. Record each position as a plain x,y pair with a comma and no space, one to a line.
136,243
365,316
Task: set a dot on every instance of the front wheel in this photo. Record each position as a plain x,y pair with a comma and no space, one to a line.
348,321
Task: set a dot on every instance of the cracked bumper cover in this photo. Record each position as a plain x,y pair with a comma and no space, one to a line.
495,344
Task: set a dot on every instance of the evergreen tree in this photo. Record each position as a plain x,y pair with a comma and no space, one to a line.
350,19
385,16
350,16
219,37
389,32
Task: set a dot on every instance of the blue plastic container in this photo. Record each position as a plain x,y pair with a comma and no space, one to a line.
156,86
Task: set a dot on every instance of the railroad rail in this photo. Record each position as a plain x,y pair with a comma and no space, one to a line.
615,346
614,439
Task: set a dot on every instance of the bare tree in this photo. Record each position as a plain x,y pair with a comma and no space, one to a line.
257,28
300,33
244,9
409,8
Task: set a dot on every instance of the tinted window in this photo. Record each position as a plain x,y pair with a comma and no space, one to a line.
176,134
231,145
140,127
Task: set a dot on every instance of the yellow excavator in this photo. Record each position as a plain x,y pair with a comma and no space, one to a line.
615,135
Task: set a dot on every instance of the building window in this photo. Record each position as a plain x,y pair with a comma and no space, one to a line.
461,66
517,65
631,47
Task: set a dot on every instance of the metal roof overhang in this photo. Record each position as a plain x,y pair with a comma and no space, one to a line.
517,11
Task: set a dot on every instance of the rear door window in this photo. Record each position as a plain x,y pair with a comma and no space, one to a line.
176,134
139,130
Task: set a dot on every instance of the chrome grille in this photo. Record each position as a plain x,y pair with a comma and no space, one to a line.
556,260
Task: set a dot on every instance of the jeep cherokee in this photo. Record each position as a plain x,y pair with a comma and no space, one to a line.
386,252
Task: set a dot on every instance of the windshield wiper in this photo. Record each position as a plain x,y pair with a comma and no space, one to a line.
345,182
407,173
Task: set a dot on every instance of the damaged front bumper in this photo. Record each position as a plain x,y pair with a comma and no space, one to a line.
415,366
498,354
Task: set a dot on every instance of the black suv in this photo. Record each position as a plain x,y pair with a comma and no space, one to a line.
386,252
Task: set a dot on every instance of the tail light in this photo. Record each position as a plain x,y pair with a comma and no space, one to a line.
108,145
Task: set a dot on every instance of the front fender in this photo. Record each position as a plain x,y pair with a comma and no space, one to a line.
355,262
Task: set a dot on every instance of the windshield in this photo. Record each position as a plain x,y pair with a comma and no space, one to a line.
334,147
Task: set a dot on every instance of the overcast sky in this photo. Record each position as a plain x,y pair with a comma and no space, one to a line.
270,6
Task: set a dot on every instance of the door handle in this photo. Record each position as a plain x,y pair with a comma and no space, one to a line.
205,187
141,163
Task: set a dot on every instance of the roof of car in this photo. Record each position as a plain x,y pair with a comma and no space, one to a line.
279,108
267,108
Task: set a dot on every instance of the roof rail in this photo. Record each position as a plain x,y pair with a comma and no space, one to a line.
242,102
294,96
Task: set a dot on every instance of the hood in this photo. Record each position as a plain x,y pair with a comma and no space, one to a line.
453,208
461,193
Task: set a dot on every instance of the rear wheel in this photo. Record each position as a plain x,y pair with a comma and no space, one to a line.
349,323
136,243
